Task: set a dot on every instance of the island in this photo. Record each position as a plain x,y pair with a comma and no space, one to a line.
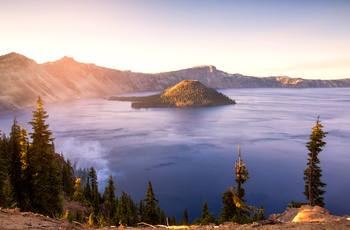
186,94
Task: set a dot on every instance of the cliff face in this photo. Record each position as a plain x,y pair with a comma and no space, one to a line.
23,80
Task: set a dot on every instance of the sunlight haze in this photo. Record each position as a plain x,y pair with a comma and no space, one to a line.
306,39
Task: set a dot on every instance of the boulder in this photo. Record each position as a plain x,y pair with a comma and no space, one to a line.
307,213
285,217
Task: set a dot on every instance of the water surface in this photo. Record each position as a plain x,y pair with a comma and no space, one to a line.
189,154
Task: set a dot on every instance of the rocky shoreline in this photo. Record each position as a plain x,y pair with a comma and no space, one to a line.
304,218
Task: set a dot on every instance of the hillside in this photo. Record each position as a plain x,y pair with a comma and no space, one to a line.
22,80
187,93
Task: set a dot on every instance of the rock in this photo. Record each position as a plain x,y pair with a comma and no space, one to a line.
309,213
284,217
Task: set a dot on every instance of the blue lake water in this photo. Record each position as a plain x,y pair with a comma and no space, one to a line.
189,154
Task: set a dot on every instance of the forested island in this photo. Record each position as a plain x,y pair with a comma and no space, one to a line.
187,93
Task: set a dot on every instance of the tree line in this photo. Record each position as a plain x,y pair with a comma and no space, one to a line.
35,178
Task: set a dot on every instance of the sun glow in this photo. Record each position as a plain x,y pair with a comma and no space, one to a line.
291,39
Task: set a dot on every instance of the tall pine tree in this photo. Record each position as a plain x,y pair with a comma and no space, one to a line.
127,210
313,172
207,217
43,173
95,195
242,176
18,150
150,209
5,185
111,200
185,217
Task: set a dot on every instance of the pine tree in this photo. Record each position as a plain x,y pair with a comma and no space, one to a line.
24,144
91,221
229,209
242,176
83,174
207,217
313,173
142,211
261,215
68,216
94,191
161,216
5,186
78,194
16,149
87,190
185,220
101,221
43,173
151,202
127,210
111,199
205,210
68,177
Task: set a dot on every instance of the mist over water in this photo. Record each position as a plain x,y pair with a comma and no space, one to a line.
189,154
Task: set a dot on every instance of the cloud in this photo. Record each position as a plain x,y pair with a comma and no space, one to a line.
87,154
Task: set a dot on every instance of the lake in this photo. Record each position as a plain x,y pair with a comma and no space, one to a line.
189,154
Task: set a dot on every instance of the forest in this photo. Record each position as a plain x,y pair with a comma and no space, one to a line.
33,177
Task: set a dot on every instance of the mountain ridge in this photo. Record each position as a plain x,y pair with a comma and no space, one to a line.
23,80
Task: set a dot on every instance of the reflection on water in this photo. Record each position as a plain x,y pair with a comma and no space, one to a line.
189,154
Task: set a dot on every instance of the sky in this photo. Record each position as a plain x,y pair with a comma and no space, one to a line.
297,38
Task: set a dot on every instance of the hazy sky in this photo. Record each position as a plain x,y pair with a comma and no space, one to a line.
297,38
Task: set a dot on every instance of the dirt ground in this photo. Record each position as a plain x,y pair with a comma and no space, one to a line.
13,219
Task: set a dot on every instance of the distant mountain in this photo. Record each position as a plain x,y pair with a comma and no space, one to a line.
22,80
187,93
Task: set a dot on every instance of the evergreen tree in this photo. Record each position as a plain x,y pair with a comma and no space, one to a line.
207,217
171,221
151,203
161,216
5,186
43,173
242,176
261,215
24,144
67,174
4,147
127,210
111,200
78,194
229,209
142,211
205,210
91,221
79,216
83,174
68,216
94,191
17,152
87,190
185,220
101,220
313,172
